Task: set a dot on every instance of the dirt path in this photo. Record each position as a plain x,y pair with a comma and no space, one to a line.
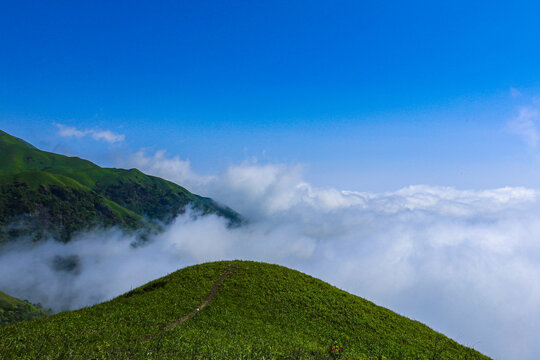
209,298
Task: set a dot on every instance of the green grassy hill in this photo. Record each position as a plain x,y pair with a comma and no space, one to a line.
248,310
13,310
43,194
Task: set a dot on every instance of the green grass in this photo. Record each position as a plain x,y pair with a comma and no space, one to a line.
261,311
14,310
84,195
39,205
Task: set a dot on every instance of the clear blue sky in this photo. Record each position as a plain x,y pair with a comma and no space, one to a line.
368,95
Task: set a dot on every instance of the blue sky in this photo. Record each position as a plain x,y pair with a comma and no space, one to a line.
366,96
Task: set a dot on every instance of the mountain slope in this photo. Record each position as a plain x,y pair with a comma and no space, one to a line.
41,205
248,310
13,310
44,194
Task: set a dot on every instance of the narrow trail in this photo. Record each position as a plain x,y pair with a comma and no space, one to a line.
211,295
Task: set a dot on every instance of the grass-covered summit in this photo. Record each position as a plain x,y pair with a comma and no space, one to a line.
43,194
247,310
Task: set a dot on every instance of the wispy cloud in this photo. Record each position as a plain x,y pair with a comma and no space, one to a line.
107,135
525,125
172,168
104,135
515,93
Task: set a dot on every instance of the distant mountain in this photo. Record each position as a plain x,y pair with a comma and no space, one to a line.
43,195
231,310
13,310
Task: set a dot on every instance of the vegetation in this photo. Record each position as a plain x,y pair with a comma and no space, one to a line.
254,311
44,194
13,310
41,205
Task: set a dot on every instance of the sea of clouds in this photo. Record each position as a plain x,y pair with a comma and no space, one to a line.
467,263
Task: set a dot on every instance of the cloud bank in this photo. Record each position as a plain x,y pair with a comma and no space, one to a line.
466,263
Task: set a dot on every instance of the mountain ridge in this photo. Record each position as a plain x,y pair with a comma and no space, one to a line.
43,194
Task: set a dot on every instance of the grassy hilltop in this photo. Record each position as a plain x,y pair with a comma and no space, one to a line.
248,310
43,194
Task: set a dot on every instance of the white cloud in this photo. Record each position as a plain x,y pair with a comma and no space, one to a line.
465,262
105,135
525,125
171,168
67,131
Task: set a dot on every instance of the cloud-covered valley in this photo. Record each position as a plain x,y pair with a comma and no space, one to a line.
466,263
